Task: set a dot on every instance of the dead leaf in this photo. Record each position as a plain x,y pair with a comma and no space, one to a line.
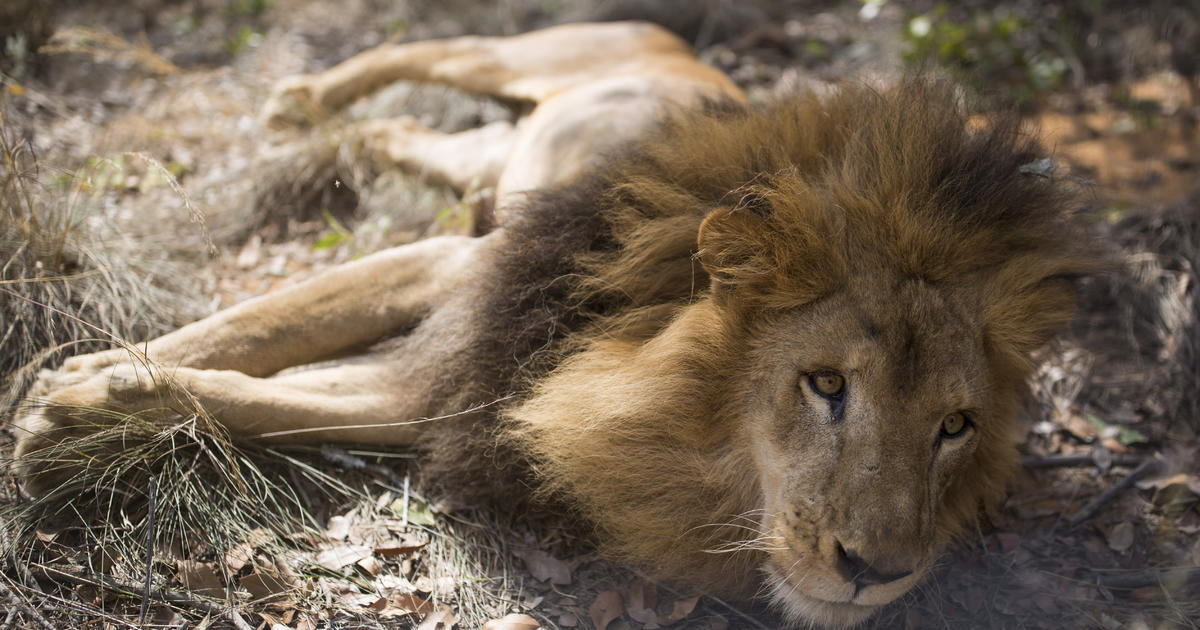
418,512
567,620
607,607
1045,603
338,527
545,567
239,556
371,565
401,547
263,585
402,604
388,583
441,586
342,555
357,600
1191,482
515,621
681,609
1120,537
641,599
1009,541
442,619
200,578
1146,594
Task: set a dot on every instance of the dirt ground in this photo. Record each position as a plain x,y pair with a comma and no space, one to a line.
148,111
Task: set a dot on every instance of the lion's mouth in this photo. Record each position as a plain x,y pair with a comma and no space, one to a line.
809,599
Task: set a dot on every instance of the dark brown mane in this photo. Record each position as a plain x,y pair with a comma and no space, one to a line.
789,204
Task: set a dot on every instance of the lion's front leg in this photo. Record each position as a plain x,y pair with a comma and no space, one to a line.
220,364
379,400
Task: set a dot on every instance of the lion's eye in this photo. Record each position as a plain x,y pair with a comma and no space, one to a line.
954,424
828,384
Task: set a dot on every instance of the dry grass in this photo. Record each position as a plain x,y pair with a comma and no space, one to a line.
69,282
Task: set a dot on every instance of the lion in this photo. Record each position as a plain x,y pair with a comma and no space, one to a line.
770,351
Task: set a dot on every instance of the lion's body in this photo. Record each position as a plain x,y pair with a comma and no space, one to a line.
783,345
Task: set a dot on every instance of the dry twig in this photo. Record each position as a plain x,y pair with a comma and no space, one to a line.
1143,469
169,597
1068,461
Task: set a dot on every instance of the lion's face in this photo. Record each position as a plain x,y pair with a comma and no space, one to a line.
863,411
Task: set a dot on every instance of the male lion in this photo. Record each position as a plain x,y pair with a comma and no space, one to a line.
794,335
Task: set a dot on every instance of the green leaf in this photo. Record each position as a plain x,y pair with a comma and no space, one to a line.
1124,435
329,240
418,512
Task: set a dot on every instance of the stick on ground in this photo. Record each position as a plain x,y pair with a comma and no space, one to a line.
1143,469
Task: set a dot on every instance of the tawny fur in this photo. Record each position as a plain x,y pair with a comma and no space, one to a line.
639,426
637,341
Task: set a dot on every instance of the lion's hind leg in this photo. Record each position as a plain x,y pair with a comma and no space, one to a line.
530,67
467,161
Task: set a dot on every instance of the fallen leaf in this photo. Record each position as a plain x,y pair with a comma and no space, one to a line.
200,578
342,555
401,547
441,586
1125,436
641,598
417,511
442,619
402,604
239,556
1009,541
1191,482
370,565
357,600
1146,594
567,620
338,527
388,583
544,567
607,607
1046,604
263,585
515,621
1120,536
716,623
681,609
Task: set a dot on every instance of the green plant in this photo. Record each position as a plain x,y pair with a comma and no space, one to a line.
996,50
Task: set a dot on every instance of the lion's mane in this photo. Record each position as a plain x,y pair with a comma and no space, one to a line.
617,325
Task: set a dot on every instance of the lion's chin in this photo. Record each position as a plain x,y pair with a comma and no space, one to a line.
806,611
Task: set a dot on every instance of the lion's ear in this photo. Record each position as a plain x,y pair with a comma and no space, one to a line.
735,247
748,251
1024,313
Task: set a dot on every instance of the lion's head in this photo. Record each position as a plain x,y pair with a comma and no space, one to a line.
826,391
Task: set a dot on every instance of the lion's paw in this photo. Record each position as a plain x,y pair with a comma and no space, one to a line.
64,405
293,103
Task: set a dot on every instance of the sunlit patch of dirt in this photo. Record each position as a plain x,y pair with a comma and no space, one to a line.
1138,157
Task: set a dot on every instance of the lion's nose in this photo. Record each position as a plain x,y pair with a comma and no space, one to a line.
854,569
